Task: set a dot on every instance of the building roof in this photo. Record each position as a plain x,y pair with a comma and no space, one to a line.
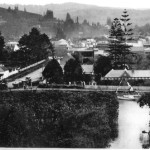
147,49
101,52
61,42
137,49
81,49
87,69
3,69
128,73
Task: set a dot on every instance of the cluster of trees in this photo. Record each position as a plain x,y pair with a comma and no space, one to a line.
53,72
72,28
35,45
33,48
58,119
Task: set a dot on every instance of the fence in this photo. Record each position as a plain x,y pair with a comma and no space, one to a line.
114,88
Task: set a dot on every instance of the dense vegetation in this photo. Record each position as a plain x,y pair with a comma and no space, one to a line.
145,101
34,47
58,119
101,67
73,71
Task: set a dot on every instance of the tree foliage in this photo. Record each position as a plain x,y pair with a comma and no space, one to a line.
144,100
2,44
73,71
61,119
35,45
102,66
53,72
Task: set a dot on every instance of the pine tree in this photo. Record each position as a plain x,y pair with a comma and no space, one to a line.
119,35
115,44
127,35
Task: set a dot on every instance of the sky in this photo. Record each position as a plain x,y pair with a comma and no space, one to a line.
135,4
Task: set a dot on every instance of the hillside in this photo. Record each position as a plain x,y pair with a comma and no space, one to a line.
90,12
14,23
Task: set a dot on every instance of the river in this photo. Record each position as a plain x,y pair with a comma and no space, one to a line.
132,120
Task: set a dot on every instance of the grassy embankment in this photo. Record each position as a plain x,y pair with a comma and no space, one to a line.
58,119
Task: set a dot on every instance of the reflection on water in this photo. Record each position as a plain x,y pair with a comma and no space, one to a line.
132,120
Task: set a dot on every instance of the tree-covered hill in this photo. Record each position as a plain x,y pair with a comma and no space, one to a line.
16,20
90,12
14,23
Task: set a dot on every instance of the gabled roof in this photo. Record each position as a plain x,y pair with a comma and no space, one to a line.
130,73
114,73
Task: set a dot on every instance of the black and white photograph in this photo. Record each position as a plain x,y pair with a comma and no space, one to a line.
75,74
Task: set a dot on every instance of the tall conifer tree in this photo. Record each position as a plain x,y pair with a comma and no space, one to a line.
127,35
119,35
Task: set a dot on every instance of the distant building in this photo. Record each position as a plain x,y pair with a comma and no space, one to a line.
138,50
102,45
13,45
61,43
87,69
85,55
138,43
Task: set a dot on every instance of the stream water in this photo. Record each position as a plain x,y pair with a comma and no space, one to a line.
132,121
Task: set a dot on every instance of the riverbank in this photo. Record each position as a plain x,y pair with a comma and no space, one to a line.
58,119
